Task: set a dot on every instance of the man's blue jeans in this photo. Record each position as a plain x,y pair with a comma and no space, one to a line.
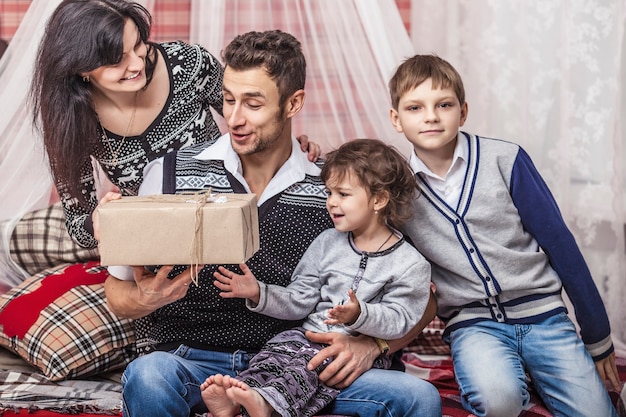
168,384
491,361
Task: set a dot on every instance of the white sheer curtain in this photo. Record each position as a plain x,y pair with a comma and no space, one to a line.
352,48
25,181
549,75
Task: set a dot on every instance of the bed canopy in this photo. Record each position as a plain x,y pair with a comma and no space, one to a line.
545,74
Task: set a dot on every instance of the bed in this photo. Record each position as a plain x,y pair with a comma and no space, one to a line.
62,351
102,395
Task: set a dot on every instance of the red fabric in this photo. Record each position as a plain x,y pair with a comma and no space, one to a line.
22,312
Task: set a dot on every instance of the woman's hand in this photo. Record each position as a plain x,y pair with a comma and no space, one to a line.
95,218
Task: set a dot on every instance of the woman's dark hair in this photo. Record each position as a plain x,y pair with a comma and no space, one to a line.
80,36
380,169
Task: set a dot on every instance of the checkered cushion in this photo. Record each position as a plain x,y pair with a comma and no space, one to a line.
66,330
40,241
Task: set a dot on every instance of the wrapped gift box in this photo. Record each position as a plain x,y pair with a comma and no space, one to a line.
194,229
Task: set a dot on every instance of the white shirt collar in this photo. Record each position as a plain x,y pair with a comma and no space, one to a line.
461,153
291,172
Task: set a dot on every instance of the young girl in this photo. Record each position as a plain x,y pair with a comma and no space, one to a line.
360,277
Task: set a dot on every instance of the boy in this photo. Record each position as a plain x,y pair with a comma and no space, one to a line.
501,255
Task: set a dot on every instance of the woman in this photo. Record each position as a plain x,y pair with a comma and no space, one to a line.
100,89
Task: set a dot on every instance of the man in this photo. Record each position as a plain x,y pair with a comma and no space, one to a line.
192,332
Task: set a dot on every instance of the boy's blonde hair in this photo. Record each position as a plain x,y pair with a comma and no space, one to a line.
417,69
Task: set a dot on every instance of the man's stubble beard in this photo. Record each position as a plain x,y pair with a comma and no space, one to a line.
262,144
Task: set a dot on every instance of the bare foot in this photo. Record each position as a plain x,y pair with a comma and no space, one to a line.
254,403
214,396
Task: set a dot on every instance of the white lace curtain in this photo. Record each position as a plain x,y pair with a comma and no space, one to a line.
544,73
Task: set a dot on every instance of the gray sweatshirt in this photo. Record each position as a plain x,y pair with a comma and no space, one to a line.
393,291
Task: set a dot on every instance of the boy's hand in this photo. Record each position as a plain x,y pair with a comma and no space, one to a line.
345,313
237,286
608,371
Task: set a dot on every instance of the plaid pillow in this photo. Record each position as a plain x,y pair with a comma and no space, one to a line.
58,321
40,241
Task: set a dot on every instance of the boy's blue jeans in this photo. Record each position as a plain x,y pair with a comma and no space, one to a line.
168,384
491,361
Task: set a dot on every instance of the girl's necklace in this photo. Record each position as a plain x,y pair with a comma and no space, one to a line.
386,240
115,153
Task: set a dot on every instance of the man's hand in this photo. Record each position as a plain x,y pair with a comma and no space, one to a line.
350,356
146,293
346,313
314,150
157,290
608,371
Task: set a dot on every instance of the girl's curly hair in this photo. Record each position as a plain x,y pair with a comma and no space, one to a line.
380,169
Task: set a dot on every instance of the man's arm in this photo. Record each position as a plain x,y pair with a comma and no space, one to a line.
351,356
427,317
146,293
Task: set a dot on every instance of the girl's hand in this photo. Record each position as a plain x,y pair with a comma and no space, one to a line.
346,313
237,286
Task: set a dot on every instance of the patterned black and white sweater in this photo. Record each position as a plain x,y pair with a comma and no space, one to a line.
292,213
195,86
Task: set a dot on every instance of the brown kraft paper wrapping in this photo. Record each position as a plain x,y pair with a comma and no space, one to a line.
181,229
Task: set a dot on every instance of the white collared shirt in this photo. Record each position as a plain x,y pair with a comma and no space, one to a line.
448,188
291,172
